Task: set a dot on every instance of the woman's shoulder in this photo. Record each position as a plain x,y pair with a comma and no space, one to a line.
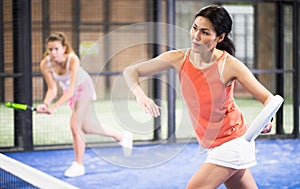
224,56
179,52
73,56
73,62
44,62
234,66
232,60
173,55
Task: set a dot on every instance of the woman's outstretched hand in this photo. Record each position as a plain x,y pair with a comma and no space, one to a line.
148,105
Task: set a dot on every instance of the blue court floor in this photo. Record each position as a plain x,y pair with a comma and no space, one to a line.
168,166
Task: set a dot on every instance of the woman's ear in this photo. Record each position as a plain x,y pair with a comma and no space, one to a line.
65,48
221,37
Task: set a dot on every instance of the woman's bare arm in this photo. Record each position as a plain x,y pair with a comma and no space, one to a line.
73,66
51,83
234,69
237,70
165,61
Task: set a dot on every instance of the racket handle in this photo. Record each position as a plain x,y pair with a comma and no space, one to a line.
31,108
19,106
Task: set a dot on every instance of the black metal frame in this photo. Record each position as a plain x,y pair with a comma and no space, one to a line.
279,63
22,64
171,73
296,60
2,88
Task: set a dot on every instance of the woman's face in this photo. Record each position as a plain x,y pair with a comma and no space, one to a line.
203,35
56,50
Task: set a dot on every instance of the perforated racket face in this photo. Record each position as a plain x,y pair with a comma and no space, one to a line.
263,118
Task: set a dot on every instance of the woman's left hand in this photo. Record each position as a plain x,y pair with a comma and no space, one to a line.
50,110
267,128
42,108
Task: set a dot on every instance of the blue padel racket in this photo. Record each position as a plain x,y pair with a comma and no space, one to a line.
19,106
263,118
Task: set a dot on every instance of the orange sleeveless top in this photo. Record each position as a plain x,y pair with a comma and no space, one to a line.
212,109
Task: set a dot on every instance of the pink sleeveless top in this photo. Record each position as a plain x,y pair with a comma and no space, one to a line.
212,109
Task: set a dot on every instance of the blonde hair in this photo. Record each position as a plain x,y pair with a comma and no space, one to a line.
59,36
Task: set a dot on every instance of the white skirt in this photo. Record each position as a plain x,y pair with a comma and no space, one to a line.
237,154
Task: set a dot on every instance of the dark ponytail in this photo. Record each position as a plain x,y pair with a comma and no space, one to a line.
222,23
227,45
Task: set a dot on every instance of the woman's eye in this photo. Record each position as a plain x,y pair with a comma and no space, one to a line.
205,33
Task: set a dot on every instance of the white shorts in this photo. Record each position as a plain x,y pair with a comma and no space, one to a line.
237,154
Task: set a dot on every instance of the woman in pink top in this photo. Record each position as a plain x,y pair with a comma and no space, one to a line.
60,64
207,73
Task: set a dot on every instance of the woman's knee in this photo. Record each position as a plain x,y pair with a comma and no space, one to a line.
74,126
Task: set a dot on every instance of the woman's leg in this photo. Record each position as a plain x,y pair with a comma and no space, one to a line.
241,179
81,116
77,168
87,121
78,140
210,176
90,124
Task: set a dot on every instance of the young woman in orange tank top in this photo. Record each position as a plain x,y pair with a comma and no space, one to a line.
207,73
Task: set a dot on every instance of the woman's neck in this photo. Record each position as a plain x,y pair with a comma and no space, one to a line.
63,62
202,60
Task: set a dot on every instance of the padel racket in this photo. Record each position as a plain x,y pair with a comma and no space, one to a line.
19,106
263,118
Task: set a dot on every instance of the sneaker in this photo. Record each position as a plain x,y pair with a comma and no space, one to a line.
75,170
126,143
